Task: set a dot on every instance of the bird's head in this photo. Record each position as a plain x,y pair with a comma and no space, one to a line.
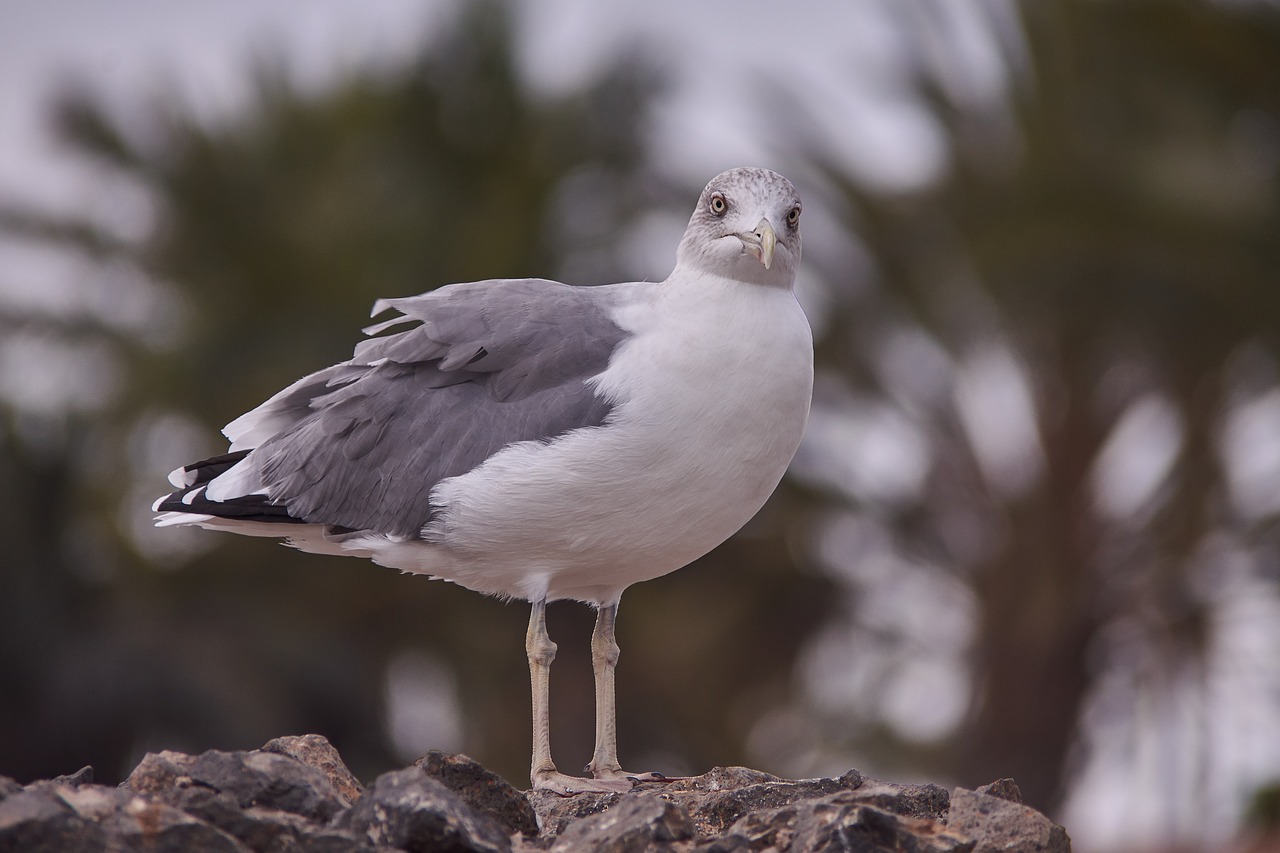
746,227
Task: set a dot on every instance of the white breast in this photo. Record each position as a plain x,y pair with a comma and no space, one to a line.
712,396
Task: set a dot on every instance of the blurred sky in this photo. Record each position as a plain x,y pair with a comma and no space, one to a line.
719,57
132,48
843,68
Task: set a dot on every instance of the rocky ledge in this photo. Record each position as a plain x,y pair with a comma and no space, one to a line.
295,794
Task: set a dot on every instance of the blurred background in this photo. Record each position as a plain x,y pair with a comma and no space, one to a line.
1032,529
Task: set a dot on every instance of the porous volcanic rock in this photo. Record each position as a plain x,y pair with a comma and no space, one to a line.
295,795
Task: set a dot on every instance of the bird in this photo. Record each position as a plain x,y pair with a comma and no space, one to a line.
534,440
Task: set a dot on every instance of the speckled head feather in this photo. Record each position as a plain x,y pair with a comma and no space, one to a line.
726,230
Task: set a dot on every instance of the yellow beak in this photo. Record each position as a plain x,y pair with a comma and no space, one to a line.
761,242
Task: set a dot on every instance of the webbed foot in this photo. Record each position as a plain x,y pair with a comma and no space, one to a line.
567,786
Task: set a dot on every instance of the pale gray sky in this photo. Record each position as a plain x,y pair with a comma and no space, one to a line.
841,62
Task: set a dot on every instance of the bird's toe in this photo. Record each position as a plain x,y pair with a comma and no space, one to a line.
568,786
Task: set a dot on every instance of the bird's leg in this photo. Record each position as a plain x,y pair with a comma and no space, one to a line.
604,659
541,652
543,773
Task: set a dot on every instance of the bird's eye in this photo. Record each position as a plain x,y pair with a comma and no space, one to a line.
793,216
717,204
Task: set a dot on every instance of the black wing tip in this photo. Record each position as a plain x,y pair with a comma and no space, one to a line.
206,469
192,501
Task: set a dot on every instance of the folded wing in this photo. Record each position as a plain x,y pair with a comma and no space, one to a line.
360,445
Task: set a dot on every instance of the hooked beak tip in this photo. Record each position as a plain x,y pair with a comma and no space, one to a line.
762,242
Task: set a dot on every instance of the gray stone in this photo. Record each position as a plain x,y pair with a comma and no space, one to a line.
248,778
408,810
842,821
8,786
83,776
262,829
49,816
316,751
720,797
729,779
483,790
636,823
137,823
557,813
724,795
928,802
36,818
1005,789
997,824
296,796
269,801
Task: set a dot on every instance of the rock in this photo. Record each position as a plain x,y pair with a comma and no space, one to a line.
252,778
556,813
408,810
296,796
997,824
266,800
842,822
83,776
1005,789
135,823
265,829
929,802
483,790
49,816
724,795
635,823
36,818
316,751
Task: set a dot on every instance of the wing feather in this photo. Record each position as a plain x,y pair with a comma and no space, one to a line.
360,445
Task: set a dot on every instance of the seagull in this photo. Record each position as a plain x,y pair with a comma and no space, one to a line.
533,440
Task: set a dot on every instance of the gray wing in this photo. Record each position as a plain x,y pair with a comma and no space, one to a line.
362,444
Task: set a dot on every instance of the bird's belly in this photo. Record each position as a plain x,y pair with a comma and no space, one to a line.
680,466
